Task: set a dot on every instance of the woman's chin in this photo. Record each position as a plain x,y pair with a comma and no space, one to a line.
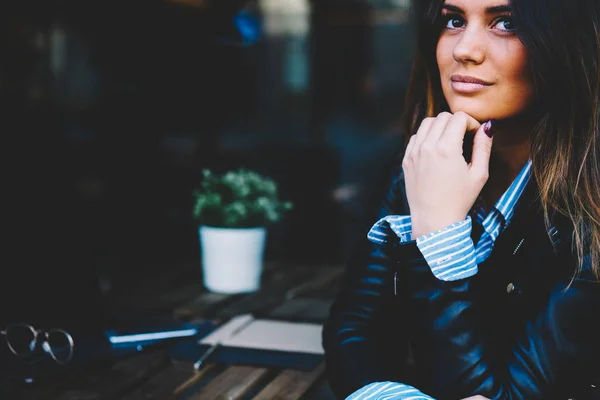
480,115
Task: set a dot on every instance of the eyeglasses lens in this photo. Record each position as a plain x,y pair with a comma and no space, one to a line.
60,346
21,340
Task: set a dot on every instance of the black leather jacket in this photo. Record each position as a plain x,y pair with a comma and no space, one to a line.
519,329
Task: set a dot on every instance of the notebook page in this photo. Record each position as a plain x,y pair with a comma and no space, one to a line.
265,334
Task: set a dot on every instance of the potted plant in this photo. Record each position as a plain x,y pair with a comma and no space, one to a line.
233,211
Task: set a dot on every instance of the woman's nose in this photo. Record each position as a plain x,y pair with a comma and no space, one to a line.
470,47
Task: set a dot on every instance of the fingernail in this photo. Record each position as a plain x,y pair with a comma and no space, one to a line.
487,128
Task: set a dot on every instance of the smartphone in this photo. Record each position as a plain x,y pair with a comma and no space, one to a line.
140,332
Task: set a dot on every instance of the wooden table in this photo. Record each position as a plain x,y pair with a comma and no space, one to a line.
301,292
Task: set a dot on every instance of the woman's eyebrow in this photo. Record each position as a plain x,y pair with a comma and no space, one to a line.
452,8
488,10
498,9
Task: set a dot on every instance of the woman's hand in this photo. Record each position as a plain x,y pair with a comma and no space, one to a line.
441,186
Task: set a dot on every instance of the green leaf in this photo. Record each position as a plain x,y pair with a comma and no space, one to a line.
238,198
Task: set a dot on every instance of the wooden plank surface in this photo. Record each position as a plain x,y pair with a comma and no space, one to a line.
194,379
325,276
22,391
168,298
232,384
321,390
291,384
163,385
150,374
302,309
115,380
157,290
199,305
271,294
207,304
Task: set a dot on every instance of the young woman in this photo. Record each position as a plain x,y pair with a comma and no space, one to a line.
485,253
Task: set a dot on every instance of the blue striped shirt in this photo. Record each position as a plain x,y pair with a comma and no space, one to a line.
451,255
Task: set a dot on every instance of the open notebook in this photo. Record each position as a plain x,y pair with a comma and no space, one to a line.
247,332
256,341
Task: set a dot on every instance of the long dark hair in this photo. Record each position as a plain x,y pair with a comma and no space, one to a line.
562,39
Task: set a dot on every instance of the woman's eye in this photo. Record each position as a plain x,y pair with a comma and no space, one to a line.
454,22
505,24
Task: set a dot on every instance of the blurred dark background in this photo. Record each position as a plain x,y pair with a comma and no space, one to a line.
111,109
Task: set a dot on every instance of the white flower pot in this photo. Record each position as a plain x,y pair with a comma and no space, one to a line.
232,258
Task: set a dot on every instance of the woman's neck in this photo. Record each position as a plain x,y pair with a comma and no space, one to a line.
510,152
508,160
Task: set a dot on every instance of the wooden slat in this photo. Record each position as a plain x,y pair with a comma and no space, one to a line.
194,379
322,278
167,298
290,384
113,382
302,309
320,390
271,294
14,391
206,304
199,305
162,386
158,284
327,291
232,384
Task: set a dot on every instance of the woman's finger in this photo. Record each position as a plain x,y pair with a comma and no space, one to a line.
458,125
482,150
422,133
438,127
466,124
410,145
431,137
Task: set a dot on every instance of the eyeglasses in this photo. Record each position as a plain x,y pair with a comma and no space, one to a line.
22,340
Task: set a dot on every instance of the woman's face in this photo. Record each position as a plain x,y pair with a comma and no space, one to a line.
483,65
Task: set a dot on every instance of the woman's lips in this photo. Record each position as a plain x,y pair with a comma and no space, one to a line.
466,87
467,84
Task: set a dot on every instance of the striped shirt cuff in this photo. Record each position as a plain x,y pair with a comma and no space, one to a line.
388,391
391,227
450,253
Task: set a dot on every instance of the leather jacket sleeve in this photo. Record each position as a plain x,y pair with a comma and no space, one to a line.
365,339
561,338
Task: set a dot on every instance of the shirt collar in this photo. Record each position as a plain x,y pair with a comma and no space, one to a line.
506,204
504,209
